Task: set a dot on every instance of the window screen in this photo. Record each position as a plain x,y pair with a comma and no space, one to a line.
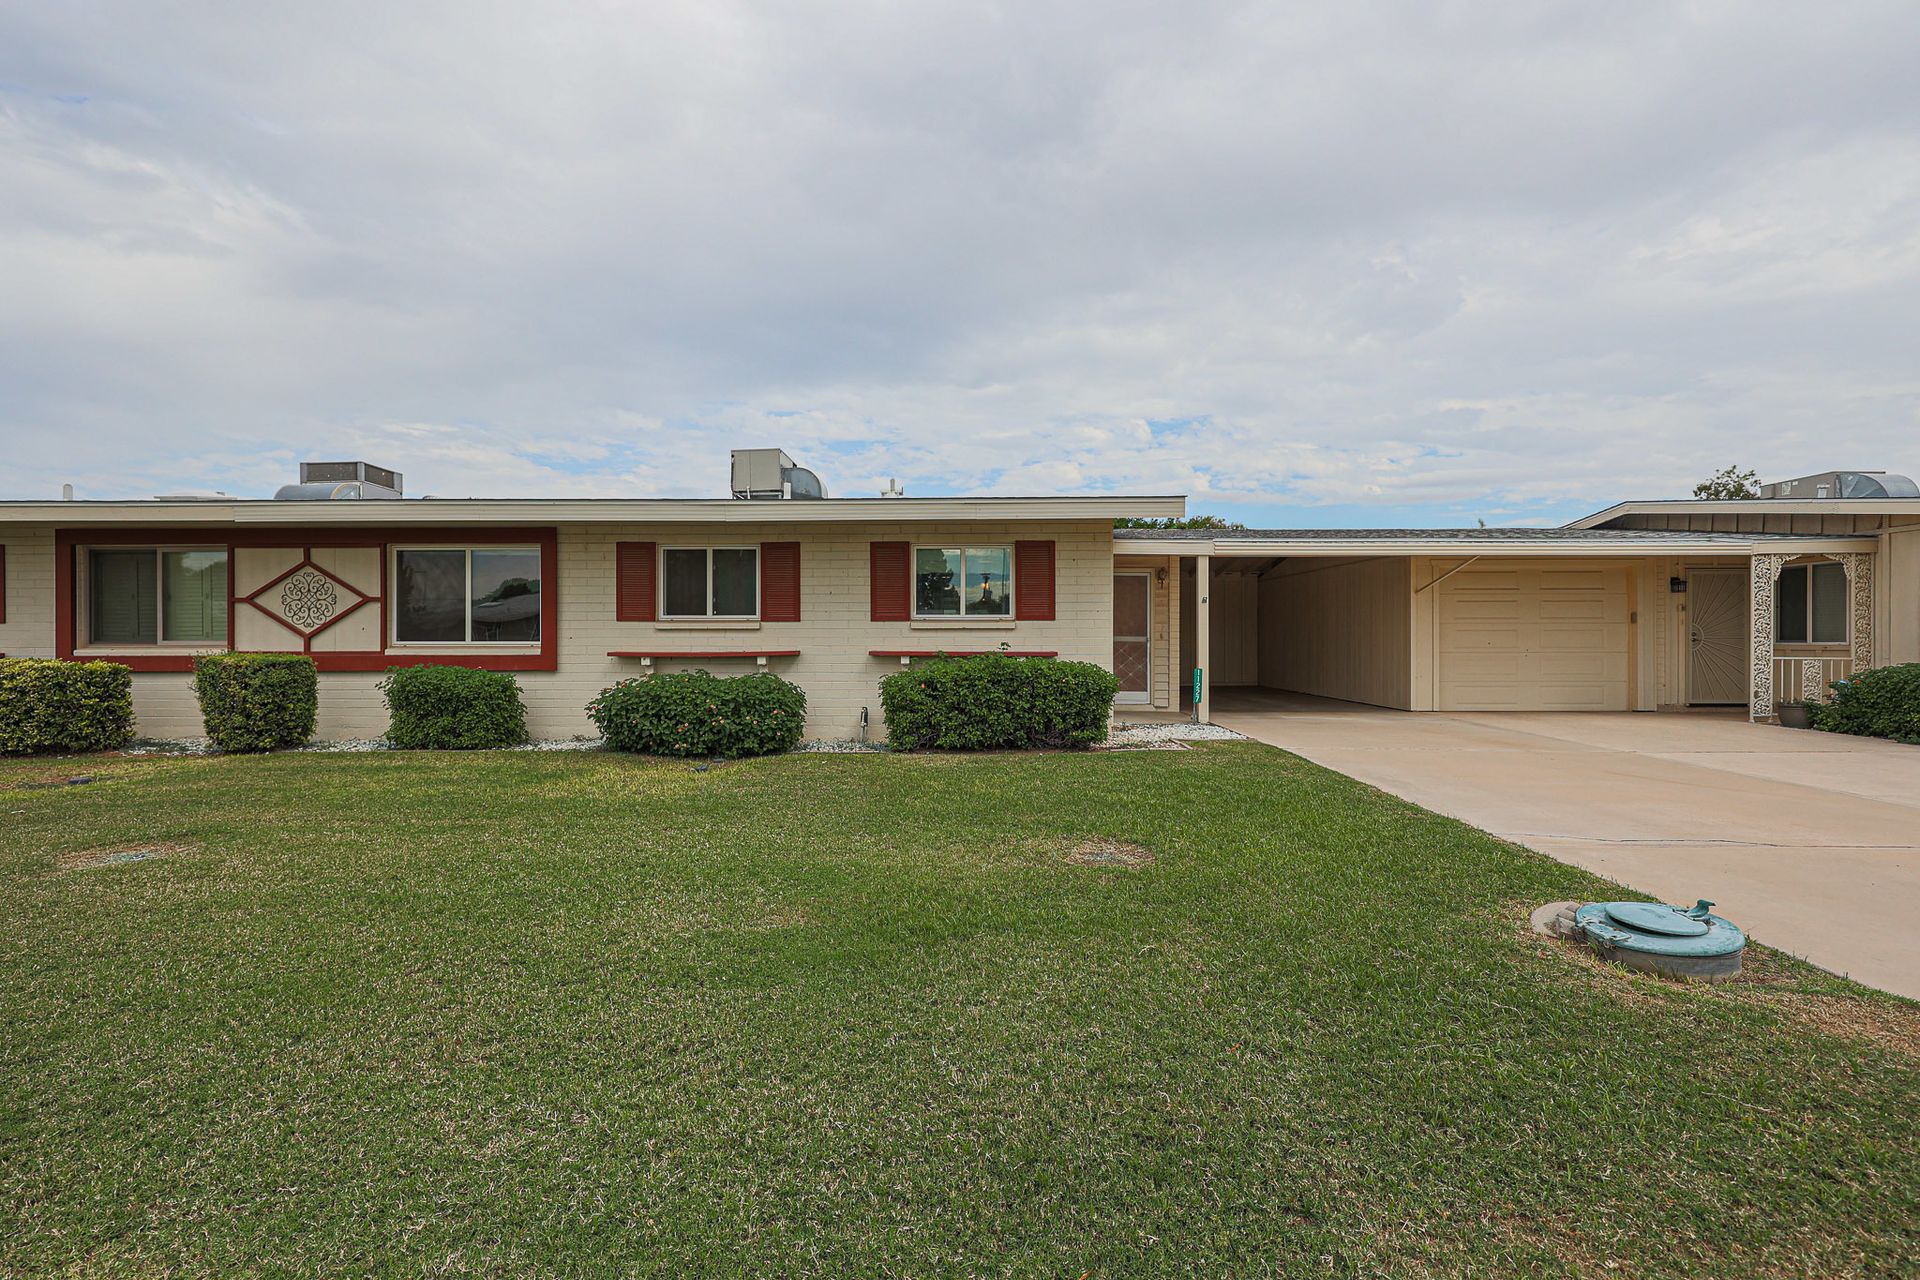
1829,624
123,600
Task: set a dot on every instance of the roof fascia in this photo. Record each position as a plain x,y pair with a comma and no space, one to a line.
540,511
1752,506
1327,548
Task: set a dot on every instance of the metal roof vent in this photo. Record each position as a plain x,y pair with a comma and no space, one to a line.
1653,937
335,481
768,475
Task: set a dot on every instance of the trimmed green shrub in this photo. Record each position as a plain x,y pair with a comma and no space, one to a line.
691,713
50,705
996,703
1883,702
257,701
444,708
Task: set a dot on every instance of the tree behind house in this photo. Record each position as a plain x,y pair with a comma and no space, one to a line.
1727,483
1177,522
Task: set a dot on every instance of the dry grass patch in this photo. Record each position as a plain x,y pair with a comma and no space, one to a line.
87,859
1767,980
1887,1024
1104,851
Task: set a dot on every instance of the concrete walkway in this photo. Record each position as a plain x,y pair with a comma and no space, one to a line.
1810,841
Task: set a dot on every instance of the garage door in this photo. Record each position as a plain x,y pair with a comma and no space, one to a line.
1533,638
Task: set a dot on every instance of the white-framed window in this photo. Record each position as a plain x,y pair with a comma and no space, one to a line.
710,582
466,595
1810,604
156,595
962,582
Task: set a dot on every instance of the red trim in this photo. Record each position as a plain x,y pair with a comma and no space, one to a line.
889,581
962,653
68,541
1033,581
634,583
63,548
292,536
703,653
779,582
232,607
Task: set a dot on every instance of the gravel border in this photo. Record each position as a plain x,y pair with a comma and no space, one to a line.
1123,736
1129,735
205,747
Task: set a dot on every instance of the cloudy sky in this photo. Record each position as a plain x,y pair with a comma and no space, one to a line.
1340,263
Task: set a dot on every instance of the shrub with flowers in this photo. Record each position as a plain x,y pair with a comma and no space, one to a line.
692,713
1883,702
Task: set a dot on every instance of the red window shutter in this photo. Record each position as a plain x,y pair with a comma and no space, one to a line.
780,582
633,590
890,582
1033,581
3,584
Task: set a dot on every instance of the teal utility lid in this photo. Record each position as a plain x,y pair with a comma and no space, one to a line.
1655,928
1656,917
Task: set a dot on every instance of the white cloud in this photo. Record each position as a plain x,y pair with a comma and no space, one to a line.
1519,257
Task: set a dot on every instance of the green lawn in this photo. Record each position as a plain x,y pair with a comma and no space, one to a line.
575,1014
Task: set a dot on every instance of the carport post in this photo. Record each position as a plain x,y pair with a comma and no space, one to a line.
1202,641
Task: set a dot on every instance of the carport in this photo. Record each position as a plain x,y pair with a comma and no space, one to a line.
1488,619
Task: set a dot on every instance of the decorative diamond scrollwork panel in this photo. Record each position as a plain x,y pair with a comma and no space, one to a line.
308,599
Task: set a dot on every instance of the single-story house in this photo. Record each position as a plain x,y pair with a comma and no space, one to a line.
1643,606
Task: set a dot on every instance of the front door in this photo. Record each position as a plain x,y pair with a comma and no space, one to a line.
1717,636
1132,642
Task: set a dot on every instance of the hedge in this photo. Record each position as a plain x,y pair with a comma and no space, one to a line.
1883,702
50,705
444,708
257,701
997,703
692,713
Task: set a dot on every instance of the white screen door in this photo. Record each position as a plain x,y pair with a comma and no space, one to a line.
1132,643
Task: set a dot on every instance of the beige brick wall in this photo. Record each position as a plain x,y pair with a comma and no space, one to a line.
28,630
834,636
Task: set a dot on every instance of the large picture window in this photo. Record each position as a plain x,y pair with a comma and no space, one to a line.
157,595
710,582
1810,605
963,582
466,595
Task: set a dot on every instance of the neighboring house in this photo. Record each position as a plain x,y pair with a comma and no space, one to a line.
1642,606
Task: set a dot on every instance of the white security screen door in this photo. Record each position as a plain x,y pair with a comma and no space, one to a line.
1132,643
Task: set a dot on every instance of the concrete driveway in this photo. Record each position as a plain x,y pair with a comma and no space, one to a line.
1810,841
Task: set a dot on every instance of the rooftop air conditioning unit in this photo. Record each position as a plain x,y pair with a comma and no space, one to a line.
768,475
325,481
